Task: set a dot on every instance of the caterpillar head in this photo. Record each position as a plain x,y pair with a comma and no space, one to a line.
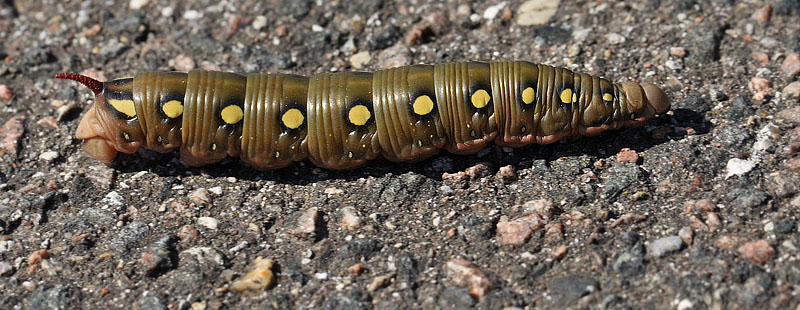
111,125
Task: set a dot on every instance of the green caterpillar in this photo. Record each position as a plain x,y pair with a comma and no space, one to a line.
343,120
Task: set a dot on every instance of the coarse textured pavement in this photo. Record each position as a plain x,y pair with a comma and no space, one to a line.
698,209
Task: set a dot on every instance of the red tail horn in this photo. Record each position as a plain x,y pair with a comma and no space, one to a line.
95,85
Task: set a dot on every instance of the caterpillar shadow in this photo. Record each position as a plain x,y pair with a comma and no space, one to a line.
657,131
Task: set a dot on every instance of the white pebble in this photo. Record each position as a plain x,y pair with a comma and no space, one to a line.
208,222
216,190
192,14
167,11
738,166
137,4
615,38
259,22
48,156
114,199
492,11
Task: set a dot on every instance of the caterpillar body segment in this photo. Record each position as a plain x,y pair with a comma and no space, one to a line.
343,120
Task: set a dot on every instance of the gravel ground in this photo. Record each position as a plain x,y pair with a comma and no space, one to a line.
696,210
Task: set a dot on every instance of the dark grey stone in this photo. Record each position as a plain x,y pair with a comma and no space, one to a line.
619,178
342,302
568,289
52,297
456,298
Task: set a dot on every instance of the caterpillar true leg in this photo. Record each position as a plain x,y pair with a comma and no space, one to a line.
343,120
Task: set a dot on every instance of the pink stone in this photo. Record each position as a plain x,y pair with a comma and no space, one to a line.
757,252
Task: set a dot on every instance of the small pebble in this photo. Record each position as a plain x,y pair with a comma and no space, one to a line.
664,246
518,230
614,38
48,156
6,269
536,12
726,242
674,65
356,269
554,232
789,115
137,4
10,133
216,190
37,256
359,60
677,51
5,93
507,174
306,224
182,63
737,166
379,282
687,235
759,84
761,57
113,199
208,222
627,156
792,164
559,252
332,191
258,279
188,233
757,252
200,196
350,219
192,14
763,14
463,274
793,89
491,12
259,22
791,65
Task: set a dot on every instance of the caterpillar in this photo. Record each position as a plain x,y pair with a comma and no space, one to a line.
342,120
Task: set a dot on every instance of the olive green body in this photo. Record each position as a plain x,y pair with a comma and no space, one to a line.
342,120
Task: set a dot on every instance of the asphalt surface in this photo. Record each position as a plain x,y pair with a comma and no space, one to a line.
697,209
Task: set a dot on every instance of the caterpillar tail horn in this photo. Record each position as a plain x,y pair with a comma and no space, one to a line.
95,85
90,130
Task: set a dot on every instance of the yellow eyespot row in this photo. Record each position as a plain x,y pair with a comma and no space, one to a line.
528,95
480,98
359,115
422,105
232,114
566,95
292,118
172,108
123,106
608,97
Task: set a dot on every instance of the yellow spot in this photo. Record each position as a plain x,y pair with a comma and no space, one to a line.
528,95
173,108
124,106
292,118
566,95
359,115
608,97
423,105
574,98
480,98
232,114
